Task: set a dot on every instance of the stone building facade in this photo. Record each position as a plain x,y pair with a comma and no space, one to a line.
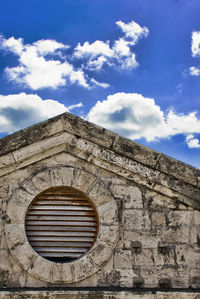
147,204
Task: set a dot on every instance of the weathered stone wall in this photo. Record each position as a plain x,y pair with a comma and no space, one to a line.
156,227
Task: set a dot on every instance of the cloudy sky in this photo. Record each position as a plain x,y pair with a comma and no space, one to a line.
130,66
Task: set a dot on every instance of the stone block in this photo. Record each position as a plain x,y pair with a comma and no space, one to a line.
179,276
28,186
12,142
179,186
100,194
15,234
83,148
180,218
43,180
134,200
24,254
164,255
176,235
195,235
40,156
158,219
159,202
63,176
123,259
7,164
41,268
135,151
83,268
176,169
126,278
186,255
145,258
150,275
111,278
22,197
109,234
177,295
164,190
44,129
108,213
40,146
16,213
4,260
32,281
4,187
99,254
146,238
82,180
194,279
87,130
135,220
53,177
62,273
119,190
196,217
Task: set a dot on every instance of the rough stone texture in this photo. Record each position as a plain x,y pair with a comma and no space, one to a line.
61,271
98,294
148,207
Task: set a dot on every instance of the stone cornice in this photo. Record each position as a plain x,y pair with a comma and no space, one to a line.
105,149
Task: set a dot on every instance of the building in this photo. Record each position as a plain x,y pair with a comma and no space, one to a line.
86,213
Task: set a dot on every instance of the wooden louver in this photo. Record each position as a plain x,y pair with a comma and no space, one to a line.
61,224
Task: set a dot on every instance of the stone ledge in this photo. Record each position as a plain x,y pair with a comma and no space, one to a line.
98,294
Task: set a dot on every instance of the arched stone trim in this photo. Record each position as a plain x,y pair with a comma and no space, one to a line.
108,232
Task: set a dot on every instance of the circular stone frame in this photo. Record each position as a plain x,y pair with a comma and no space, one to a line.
108,232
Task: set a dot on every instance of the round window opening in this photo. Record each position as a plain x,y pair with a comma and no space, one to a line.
61,224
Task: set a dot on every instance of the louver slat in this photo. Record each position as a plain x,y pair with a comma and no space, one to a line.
54,228
61,224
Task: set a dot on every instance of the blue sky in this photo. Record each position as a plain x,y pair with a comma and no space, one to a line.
130,66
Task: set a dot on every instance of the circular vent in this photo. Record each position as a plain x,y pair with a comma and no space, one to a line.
61,224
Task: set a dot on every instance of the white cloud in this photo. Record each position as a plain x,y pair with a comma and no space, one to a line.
119,55
79,105
101,84
195,43
15,45
192,142
47,64
94,49
46,46
194,71
121,47
96,54
36,71
195,48
133,30
18,111
134,116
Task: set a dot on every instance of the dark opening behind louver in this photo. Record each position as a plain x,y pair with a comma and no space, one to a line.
61,224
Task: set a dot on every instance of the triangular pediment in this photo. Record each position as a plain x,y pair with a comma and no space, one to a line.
70,134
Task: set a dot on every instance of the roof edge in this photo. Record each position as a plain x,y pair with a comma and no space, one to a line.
103,137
